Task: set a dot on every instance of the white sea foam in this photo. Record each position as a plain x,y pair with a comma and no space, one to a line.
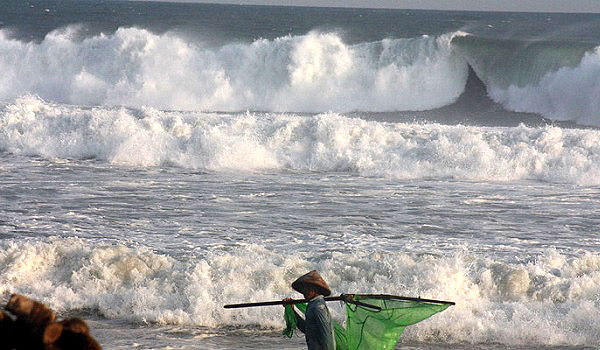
551,300
321,143
310,73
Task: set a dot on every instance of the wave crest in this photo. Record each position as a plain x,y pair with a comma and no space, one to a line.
322,143
557,80
570,93
316,72
310,73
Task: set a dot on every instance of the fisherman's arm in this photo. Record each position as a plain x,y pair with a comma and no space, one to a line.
300,323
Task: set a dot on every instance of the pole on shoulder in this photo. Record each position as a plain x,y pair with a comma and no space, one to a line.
266,303
348,298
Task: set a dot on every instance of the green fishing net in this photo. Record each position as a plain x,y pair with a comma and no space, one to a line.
369,329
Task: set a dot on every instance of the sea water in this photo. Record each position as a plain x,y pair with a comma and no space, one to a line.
160,160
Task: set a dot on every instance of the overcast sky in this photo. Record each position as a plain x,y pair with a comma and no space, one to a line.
475,5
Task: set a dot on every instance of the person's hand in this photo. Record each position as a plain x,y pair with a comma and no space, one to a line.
288,299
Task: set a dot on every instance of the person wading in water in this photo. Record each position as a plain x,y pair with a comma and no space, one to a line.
316,326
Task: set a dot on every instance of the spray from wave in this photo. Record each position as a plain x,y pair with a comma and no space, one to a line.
549,301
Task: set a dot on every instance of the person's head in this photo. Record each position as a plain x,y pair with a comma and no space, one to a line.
310,292
311,285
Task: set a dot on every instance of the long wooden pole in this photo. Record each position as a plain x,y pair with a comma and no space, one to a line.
279,302
349,298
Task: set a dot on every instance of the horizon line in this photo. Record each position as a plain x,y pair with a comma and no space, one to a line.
316,6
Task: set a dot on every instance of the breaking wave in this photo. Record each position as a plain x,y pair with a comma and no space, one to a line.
550,300
316,72
558,80
570,93
320,143
311,73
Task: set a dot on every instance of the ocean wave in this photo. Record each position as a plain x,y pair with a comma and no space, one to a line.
549,300
315,143
569,93
315,72
557,80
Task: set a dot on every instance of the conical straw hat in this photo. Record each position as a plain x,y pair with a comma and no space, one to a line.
314,279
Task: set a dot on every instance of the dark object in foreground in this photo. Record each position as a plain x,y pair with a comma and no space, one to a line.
348,298
29,325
